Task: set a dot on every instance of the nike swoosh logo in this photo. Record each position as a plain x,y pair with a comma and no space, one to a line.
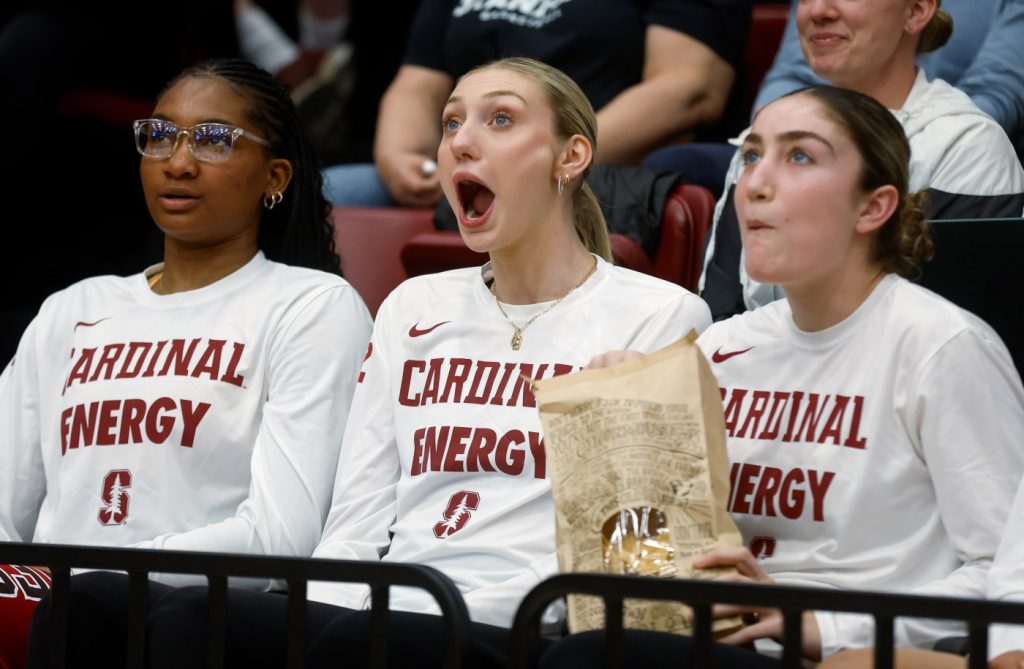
416,332
89,325
718,356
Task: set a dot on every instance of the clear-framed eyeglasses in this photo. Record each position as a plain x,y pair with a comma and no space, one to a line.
208,142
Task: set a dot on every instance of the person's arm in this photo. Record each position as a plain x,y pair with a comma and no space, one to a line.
1006,581
685,85
364,503
22,478
967,417
408,132
314,363
995,78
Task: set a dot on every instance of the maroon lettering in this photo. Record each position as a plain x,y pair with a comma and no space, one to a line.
853,439
791,498
159,427
458,372
453,461
459,449
794,411
485,373
433,449
508,460
759,400
140,347
209,361
190,420
179,357
108,423
105,366
80,370
733,410
151,368
771,428
83,425
819,488
540,457
777,492
481,449
65,428
231,374
417,451
834,424
404,398
430,387
521,391
132,413
812,416
767,488
745,486
500,392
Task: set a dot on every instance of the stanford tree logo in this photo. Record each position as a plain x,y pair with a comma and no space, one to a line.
456,515
115,498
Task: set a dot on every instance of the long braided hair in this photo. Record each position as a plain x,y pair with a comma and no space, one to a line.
298,231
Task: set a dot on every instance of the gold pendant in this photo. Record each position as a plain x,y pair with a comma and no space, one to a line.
517,339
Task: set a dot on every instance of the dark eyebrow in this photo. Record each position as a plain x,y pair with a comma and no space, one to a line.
493,94
164,117
791,136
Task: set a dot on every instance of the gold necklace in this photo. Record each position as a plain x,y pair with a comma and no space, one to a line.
517,335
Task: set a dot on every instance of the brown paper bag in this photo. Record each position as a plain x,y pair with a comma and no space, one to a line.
639,472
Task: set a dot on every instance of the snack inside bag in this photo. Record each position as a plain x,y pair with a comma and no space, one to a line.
639,472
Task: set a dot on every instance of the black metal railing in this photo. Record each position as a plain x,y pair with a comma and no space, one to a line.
217,567
524,642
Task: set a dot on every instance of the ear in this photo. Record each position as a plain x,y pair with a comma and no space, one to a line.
575,157
279,175
919,13
878,206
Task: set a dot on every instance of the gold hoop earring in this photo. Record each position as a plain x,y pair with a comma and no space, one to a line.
563,180
272,200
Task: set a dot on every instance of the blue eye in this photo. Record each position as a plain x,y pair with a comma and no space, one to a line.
450,124
502,119
750,157
800,157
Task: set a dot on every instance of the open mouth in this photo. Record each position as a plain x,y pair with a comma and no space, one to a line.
474,197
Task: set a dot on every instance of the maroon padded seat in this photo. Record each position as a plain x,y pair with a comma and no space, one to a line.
370,241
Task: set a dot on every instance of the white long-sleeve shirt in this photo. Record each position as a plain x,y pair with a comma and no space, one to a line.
881,453
205,420
443,461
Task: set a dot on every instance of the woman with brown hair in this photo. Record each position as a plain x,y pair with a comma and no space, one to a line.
959,155
864,414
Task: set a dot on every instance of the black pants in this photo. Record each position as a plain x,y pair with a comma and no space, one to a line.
255,635
335,636
97,622
647,650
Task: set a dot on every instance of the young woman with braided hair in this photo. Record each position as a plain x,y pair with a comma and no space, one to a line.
197,405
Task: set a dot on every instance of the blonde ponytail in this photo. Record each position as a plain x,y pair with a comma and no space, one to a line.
591,227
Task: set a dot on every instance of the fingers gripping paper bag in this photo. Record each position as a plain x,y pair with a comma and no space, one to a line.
639,473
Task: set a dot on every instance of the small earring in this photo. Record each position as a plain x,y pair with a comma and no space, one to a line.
563,179
272,200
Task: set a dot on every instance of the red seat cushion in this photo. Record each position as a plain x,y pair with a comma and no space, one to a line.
21,588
